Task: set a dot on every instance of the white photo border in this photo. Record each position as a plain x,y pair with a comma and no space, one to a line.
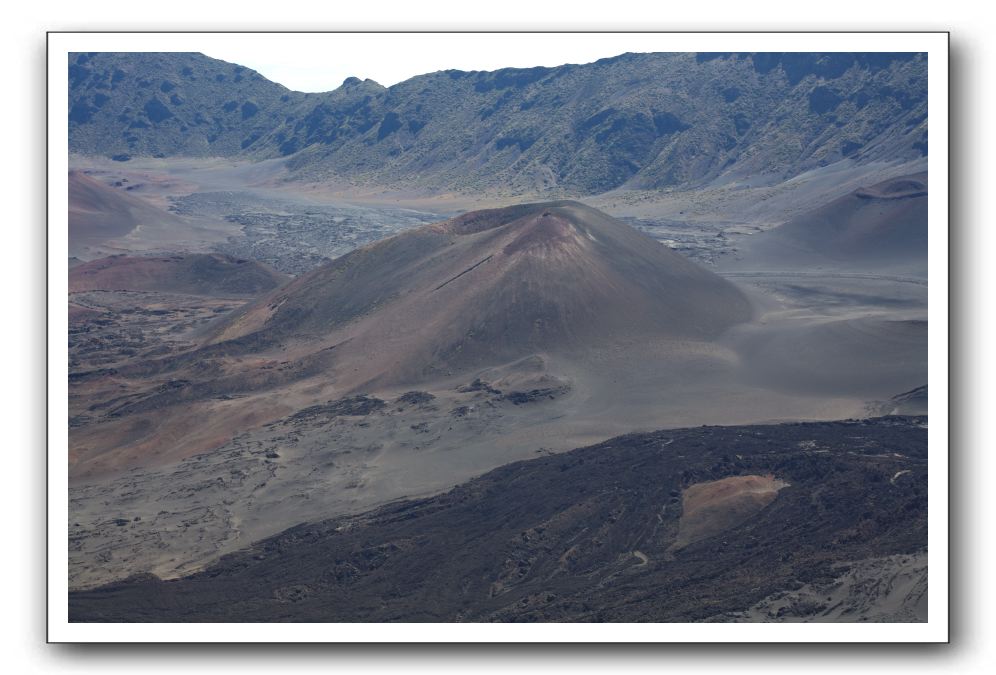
935,630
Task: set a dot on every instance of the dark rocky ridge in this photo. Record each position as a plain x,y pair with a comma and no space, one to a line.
636,120
584,536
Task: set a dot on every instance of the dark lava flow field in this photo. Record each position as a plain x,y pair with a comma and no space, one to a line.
589,535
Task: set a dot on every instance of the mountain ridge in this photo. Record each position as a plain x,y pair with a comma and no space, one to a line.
642,121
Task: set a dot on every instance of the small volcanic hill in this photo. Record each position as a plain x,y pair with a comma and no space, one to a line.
192,274
539,299
491,286
98,212
884,225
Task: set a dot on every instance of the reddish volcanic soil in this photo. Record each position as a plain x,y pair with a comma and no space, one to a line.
715,506
195,274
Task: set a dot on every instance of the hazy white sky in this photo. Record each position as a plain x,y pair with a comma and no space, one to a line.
315,62
310,62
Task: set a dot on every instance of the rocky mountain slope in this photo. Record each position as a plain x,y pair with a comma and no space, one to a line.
635,120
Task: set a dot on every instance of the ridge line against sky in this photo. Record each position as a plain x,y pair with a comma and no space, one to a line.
316,63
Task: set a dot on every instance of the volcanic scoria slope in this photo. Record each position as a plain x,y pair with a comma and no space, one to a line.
879,228
99,213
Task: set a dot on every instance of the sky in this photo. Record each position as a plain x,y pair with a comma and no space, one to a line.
315,63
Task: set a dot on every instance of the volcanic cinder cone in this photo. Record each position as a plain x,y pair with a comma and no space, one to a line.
551,296
491,286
